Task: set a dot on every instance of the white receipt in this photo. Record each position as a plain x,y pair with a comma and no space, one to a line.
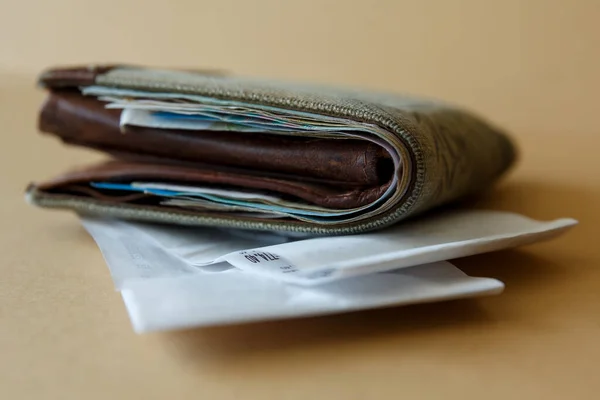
434,238
234,296
319,260
173,277
136,251
162,291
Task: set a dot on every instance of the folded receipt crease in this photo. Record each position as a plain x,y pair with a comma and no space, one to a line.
228,199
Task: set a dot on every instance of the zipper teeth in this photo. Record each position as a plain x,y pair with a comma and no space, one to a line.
414,148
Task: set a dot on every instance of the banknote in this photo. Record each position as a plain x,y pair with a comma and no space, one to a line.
199,197
133,99
197,113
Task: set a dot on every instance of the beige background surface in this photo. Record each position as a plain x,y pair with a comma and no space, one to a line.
531,66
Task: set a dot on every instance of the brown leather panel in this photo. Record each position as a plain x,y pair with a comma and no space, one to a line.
76,76
119,171
85,121
131,157
72,76
91,192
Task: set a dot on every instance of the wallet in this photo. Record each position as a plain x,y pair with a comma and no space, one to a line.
207,148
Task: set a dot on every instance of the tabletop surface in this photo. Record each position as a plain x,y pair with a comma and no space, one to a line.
528,66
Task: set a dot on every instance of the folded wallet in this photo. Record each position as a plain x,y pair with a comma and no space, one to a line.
211,149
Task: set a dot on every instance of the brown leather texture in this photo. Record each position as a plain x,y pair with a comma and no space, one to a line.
72,76
122,171
84,121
